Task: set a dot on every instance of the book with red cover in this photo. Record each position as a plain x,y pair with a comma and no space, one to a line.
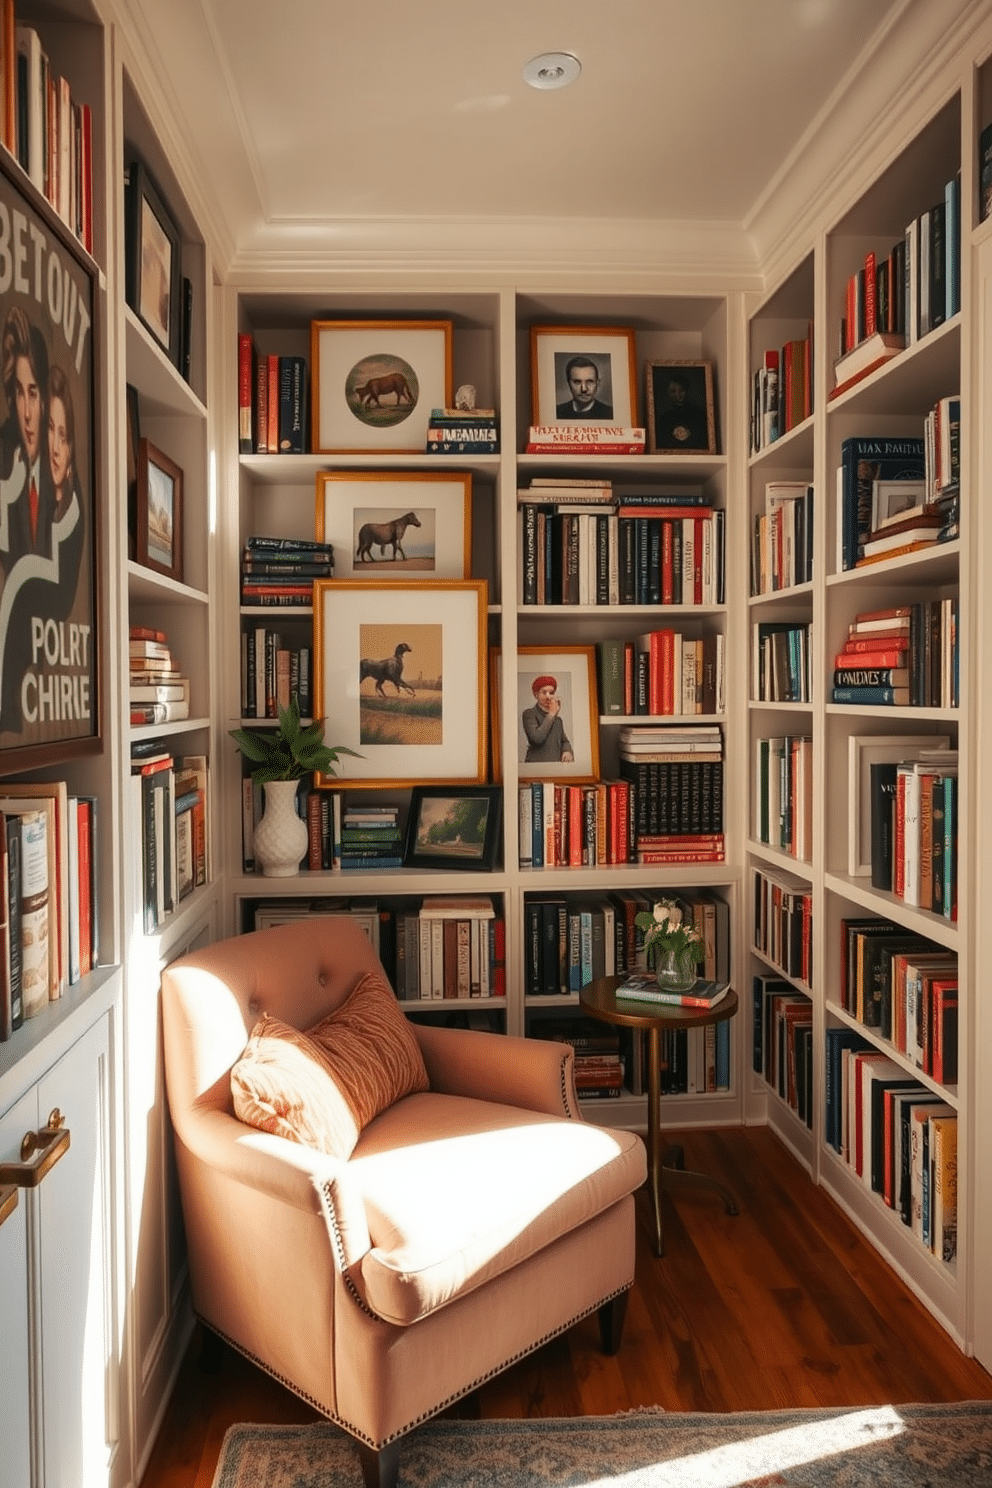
246,385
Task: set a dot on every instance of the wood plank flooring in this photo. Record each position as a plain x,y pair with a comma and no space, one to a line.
784,1304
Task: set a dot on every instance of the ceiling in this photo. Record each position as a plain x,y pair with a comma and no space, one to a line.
311,114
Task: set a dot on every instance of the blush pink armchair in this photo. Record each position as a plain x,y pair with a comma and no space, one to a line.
473,1221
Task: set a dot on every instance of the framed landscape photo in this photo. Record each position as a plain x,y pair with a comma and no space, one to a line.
375,382
401,679
152,283
159,530
385,525
583,374
556,711
681,408
453,827
50,514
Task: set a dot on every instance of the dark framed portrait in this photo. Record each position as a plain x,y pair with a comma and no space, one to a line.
449,828
152,284
159,535
681,408
50,644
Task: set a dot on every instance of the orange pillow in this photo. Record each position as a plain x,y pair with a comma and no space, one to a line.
320,1088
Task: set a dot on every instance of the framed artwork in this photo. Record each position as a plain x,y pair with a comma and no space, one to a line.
151,272
863,751
401,679
890,498
384,525
582,374
159,530
681,409
453,827
50,639
556,711
133,441
374,383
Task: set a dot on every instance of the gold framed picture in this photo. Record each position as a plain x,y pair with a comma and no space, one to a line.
375,382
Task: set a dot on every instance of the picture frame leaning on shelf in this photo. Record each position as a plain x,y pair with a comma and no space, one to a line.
384,525
375,382
556,710
583,375
453,827
50,637
681,405
152,284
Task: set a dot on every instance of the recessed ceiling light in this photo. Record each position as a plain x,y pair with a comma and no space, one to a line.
552,70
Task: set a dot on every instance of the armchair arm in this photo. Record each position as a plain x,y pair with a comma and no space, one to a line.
535,1074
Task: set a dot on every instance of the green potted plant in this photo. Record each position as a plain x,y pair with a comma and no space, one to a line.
280,758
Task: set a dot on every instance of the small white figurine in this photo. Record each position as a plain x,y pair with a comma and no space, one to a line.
465,396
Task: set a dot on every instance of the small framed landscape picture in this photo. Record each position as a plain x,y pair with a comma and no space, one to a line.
401,679
159,532
583,374
375,382
386,525
681,408
450,827
555,708
152,280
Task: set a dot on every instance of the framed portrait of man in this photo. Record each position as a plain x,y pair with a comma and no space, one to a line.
583,375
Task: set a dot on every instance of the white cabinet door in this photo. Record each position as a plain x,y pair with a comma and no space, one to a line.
15,1416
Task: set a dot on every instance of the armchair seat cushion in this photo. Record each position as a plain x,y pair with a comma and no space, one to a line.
458,1190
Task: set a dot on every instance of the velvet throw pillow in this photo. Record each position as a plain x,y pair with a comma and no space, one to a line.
321,1087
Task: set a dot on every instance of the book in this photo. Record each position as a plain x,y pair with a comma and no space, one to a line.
865,460
246,386
873,350
576,438
34,905
643,987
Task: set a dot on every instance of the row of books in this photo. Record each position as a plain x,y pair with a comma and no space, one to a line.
273,393
897,1135
783,794
782,1042
906,987
282,570
782,539
780,661
49,932
49,132
273,671
571,941
892,302
157,690
671,556
783,922
782,391
661,673
902,655
170,807
369,836
610,1062
574,826
913,808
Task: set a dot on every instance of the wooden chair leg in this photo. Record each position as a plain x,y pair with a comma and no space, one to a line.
380,1468
611,1318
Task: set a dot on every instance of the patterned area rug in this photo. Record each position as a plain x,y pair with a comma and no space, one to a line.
906,1446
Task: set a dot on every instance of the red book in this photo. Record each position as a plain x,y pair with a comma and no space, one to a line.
871,304
576,825
246,383
667,559
84,862
944,1023
86,175
697,558
867,656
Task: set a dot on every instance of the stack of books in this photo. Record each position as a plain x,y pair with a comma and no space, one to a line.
902,655
643,986
600,1063
282,570
677,800
584,439
463,431
371,838
158,691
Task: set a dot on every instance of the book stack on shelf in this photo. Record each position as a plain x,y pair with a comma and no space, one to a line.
53,132
158,691
272,672
370,837
781,661
574,826
867,490
897,1135
783,794
782,393
273,394
662,673
676,775
463,431
592,545
282,570
905,987
783,1042
782,548
585,439
450,947
600,1061
914,828
170,795
901,655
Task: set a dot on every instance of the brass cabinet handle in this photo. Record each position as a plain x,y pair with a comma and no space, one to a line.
8,1202
40,1151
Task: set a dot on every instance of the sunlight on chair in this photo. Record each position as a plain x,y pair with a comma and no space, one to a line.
760,1456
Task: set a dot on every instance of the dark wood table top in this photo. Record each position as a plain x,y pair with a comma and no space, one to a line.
600,1000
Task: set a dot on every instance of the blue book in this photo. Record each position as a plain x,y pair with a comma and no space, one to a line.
952,232
863,461
896,696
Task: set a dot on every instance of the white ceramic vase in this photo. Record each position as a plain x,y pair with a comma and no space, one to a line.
281,835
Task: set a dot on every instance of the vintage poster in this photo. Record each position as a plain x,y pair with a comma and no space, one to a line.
48,636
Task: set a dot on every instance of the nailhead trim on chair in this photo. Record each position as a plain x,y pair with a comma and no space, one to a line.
441,1405
566,1088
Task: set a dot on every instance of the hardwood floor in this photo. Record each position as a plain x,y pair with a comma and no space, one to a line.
784,1304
